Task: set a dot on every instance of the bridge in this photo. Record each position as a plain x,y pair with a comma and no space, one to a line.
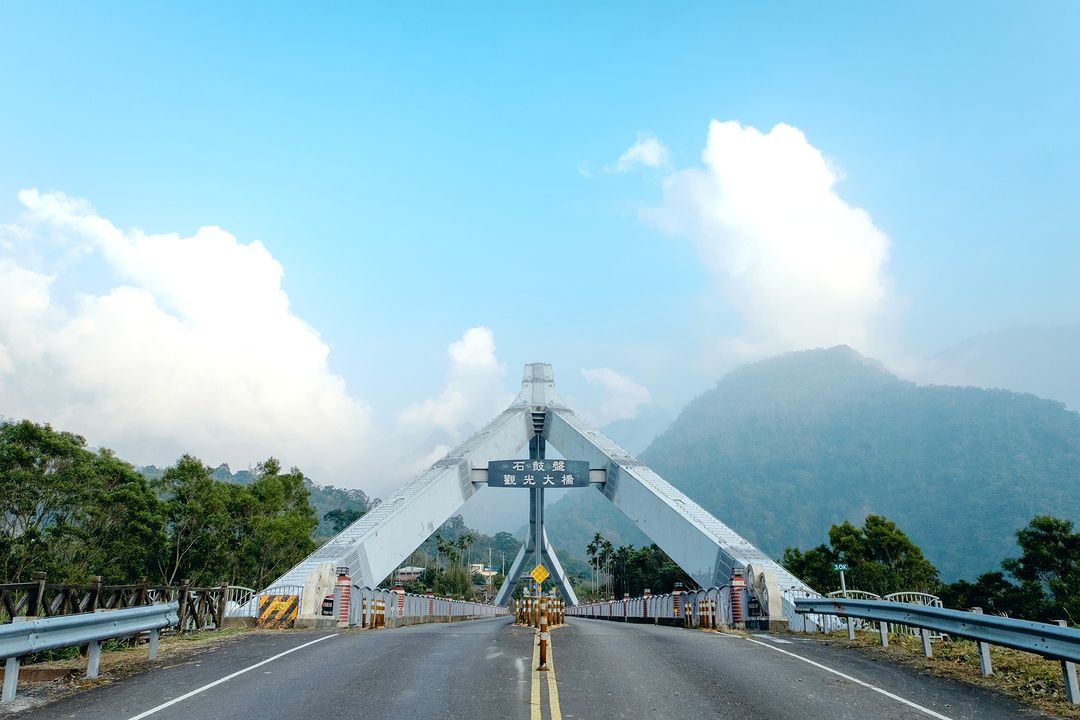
707,549
720,660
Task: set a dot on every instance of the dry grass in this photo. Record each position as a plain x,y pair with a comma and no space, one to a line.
1023,676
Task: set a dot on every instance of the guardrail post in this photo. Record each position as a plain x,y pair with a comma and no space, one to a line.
883,631
155,635
93,659
1068,671
985,665
927,650
11,679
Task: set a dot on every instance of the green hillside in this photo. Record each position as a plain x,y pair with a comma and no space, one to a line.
322,498
783,448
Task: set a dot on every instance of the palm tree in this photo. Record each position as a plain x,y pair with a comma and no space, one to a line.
593,550
607,557
464,542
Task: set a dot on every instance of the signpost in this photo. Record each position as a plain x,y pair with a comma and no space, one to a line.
841,567
537,473
540,574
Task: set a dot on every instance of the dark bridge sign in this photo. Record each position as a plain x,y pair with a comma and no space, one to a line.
538,473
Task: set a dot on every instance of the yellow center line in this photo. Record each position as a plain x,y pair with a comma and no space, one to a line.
534,702
553,687
535,710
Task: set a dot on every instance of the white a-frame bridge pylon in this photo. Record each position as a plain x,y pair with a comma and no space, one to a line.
704,547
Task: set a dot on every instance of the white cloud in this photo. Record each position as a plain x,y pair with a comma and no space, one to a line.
801,267
474,391
647,151
195,350
622,396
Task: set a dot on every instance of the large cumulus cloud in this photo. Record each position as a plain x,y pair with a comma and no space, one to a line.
799,265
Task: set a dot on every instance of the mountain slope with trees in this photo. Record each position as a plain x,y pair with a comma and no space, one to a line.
785,447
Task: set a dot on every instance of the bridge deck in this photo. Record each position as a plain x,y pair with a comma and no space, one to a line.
482,669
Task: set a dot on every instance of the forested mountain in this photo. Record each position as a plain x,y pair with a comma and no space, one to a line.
783,448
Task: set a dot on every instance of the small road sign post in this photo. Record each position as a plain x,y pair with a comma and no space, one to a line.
539,574
841,567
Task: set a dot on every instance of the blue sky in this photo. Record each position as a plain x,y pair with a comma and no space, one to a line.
425,170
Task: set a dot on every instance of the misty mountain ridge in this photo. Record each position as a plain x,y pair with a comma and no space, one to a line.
1038,360
783,448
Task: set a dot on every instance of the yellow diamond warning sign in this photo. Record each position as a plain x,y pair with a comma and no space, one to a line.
540,574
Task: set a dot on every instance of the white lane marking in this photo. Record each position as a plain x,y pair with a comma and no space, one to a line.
778,641
196,691
857,681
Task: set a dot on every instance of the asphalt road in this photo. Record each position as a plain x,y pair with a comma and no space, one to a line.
484,669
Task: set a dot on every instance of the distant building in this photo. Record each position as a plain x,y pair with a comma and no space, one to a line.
485,572
408,573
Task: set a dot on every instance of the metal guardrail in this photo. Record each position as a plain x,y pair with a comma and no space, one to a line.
22,638
708,608
1056,642
369,607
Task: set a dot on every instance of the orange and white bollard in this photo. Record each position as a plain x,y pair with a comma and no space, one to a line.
738,587
399,591
344,585
543,634
645,595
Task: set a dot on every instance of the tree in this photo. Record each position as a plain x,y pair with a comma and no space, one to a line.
342,518
1042,584
994,593
1049,566
275,524
605,558
881,559
197,523
593,551
465,542
71,512
42,493
122,529
449,549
